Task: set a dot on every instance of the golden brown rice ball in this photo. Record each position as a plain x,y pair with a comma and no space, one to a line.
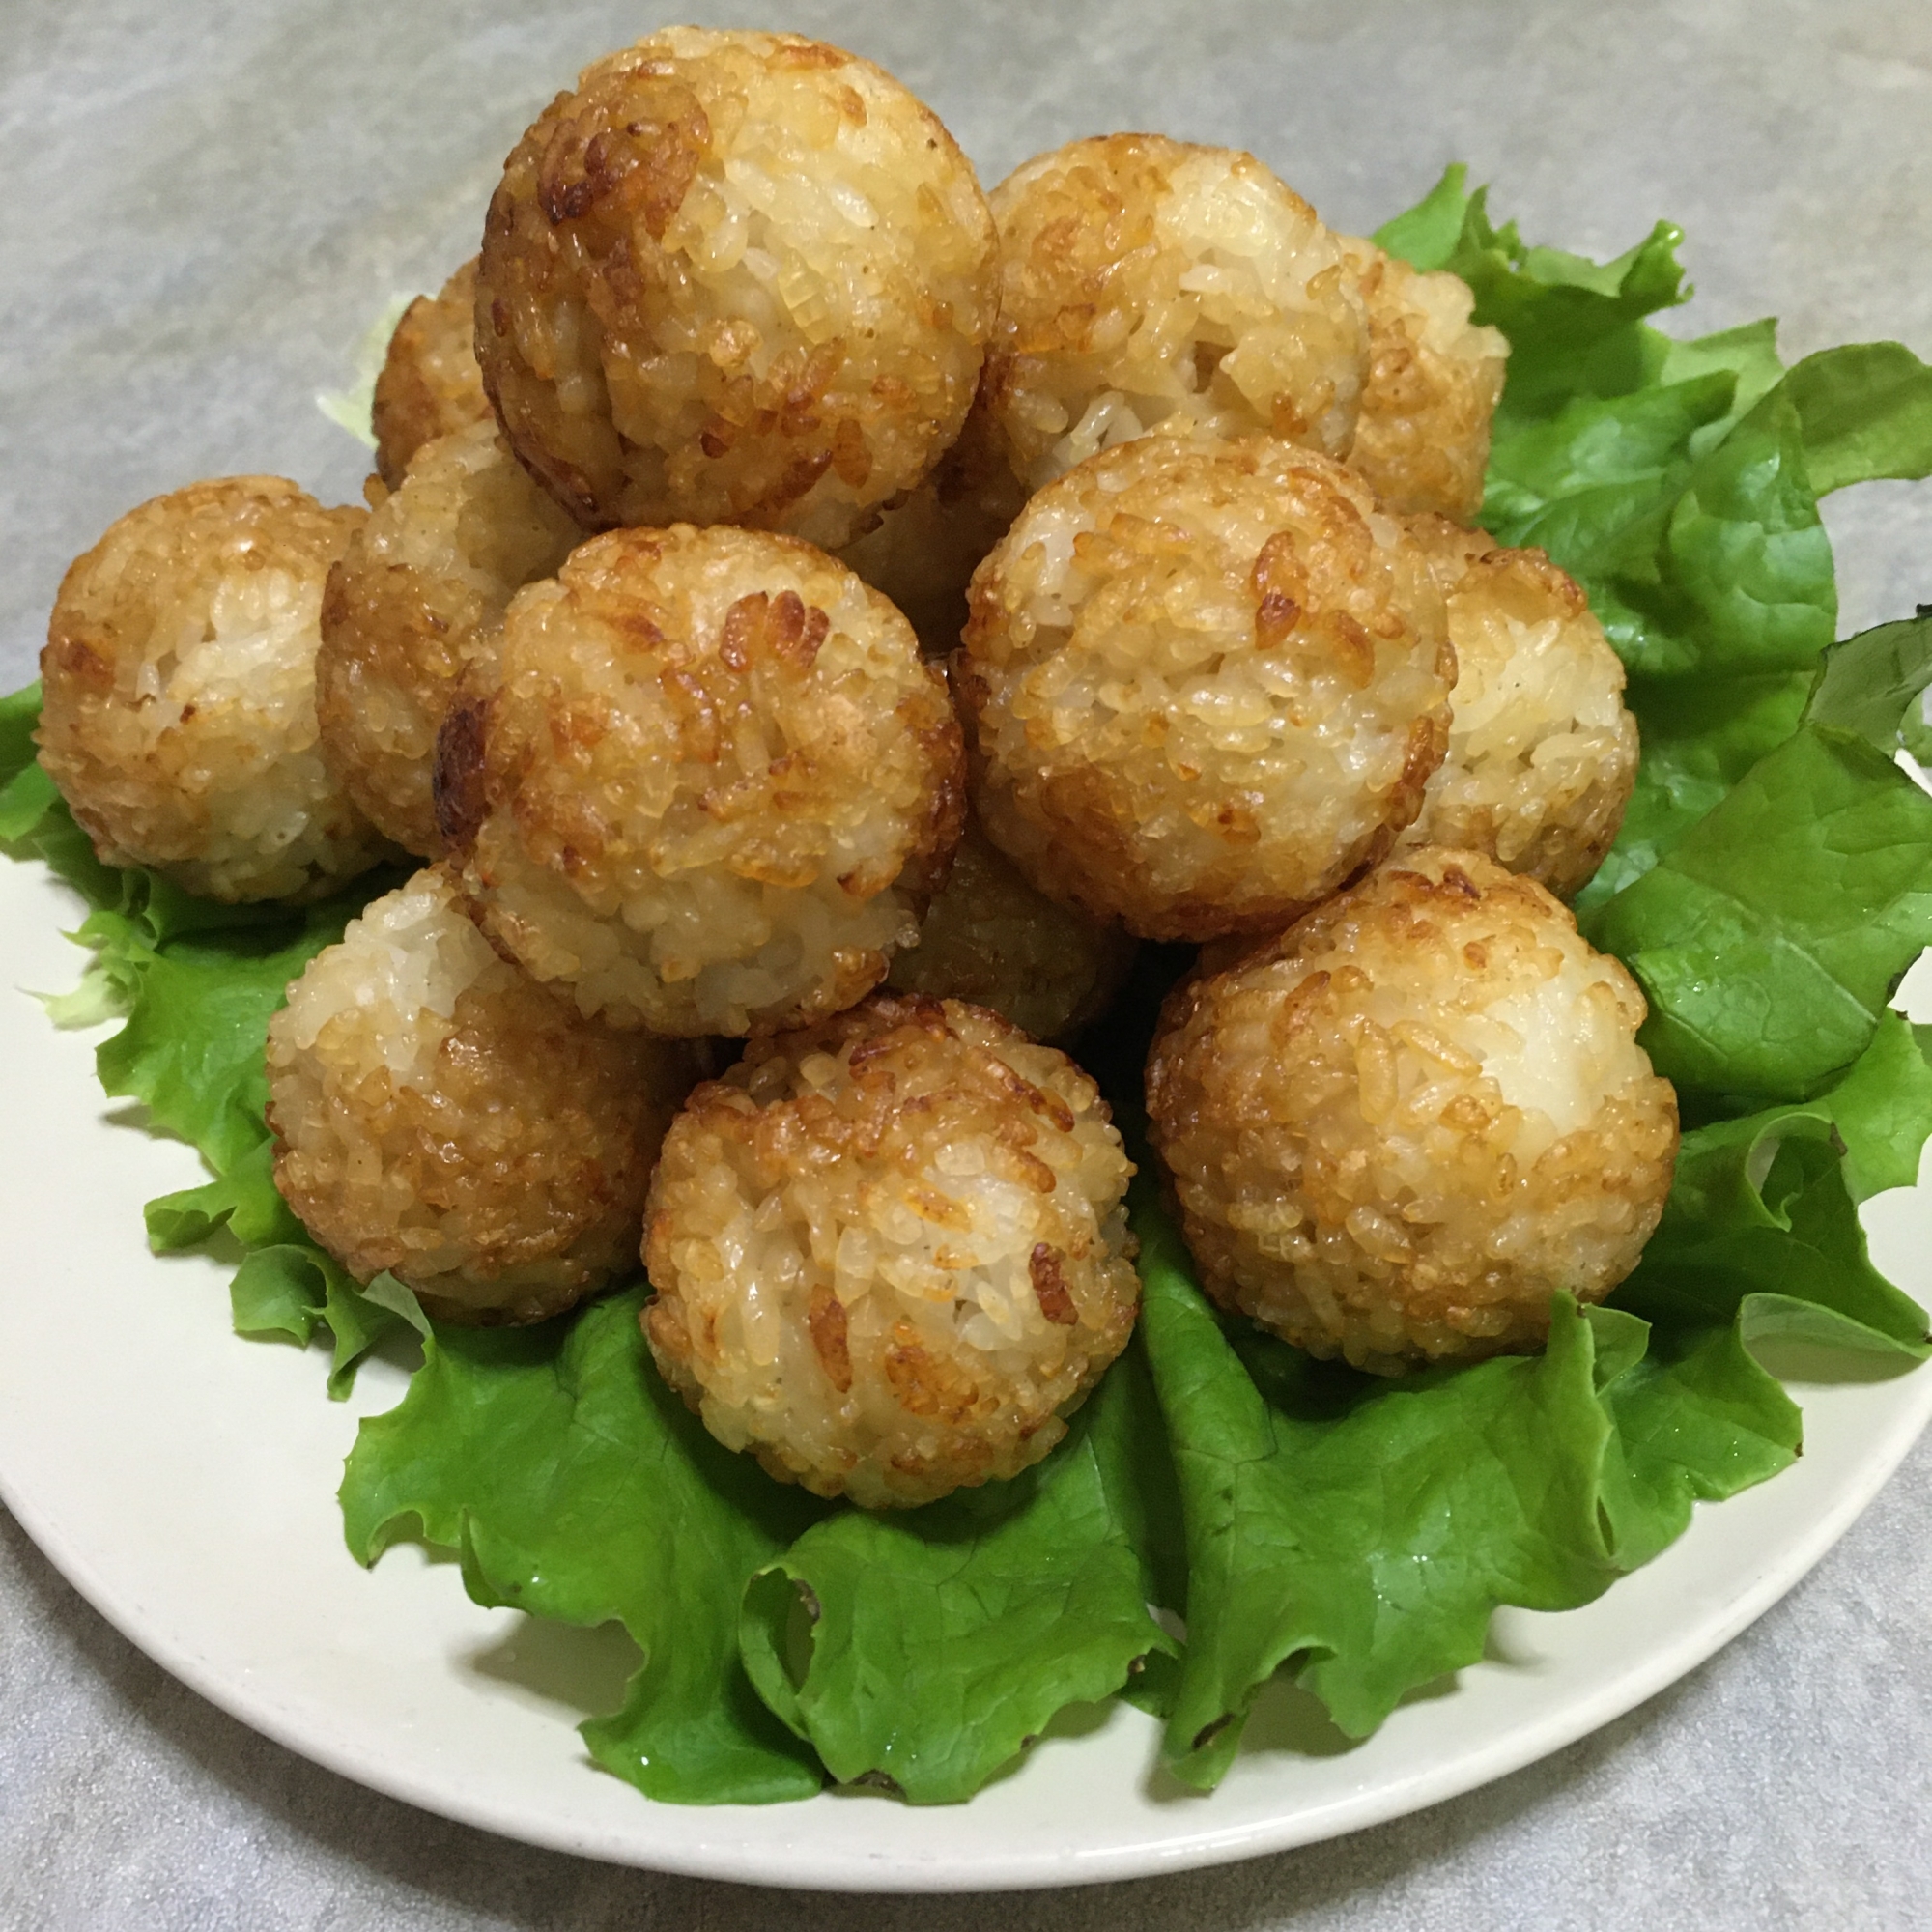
715,787
889,1251
1399,1129
1542,752
736,277
1151,283
1209,681
1434,378
412,605
178,711
439,1114
429,384
990,939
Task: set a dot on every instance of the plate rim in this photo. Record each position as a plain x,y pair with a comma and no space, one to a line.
1027,1871
1032,1871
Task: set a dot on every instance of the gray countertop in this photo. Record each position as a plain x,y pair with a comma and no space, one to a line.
207,205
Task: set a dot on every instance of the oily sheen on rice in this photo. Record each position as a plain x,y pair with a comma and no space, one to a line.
429,384
715,787
889,1251
1399,1129
1543,755
439,1114
736,277
178,710
410,608
1208,682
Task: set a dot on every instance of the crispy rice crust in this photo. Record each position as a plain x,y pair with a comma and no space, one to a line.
1150,283
439,1114
1397,1130
889,1251
715,787
1422,441
1208,682
411,604
429,384
1542,754
178,712
734,277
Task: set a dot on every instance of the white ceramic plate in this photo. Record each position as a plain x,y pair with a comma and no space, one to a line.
184,1480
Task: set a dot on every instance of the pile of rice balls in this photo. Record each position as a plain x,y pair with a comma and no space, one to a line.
812,619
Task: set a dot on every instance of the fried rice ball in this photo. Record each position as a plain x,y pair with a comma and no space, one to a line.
178,709
1397,1130
1422,439
1542,752
715,787
439,1114
1208,680
412,605
429,384
1122,311
1151,283
889,1251
736,277
990,939
925,553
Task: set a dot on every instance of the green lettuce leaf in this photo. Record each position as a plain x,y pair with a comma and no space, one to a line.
578,1486
243,1200
191,1049
1867,413
1749,354
1771,935
1575,326
42,828
1719,592
1361,1533
20,714
1881,1109
1696,746
1696,1418
1733,579
36,823
1871,683
1574,481
943,1640
294,1289
26,793
1762,1221
353,406
1427,235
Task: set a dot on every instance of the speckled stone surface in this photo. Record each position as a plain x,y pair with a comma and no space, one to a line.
205,206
